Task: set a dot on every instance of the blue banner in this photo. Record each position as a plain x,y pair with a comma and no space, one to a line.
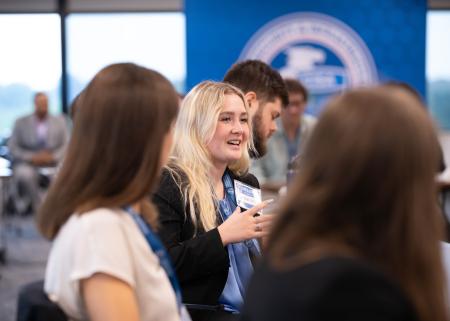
328,45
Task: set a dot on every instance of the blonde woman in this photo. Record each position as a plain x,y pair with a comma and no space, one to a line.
210,240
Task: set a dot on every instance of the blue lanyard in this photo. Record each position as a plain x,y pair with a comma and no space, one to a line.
226,211
229,191
158,248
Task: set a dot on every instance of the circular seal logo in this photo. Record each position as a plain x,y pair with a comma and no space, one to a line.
322,52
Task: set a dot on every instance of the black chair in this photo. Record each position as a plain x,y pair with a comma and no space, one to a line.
34,305
445,206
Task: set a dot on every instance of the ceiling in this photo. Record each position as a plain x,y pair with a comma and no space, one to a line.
18,6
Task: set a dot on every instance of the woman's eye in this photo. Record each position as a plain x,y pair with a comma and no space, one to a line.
225,119
244,120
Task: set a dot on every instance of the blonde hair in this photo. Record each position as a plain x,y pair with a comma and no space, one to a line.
194,129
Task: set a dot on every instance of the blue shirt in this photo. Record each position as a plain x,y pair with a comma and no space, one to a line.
241,267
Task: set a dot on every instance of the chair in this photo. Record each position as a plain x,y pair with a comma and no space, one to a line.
34,305
445,206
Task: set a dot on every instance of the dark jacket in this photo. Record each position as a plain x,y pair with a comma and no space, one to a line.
201,261
331,289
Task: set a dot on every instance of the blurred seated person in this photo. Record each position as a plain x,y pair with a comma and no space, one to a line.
295,130
358,235
37,141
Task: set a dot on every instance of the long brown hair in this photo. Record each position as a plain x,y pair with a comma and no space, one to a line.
113,158
366,184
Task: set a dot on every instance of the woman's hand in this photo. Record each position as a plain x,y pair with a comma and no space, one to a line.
244,226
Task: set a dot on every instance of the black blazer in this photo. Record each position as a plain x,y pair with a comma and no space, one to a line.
331,289
201,261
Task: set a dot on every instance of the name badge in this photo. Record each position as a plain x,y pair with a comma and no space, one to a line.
246,196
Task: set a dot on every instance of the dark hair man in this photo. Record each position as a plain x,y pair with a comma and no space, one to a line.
265,93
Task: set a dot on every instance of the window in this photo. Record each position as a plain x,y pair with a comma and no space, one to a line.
30,61
153,40
438,67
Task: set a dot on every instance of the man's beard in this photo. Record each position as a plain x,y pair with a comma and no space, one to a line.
259,141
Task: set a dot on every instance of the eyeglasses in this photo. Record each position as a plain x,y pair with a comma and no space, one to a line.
297,104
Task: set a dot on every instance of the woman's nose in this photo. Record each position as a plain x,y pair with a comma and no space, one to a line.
237,129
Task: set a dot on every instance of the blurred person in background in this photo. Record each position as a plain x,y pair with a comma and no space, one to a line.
358,237
38,141
106,261
288,141
211,242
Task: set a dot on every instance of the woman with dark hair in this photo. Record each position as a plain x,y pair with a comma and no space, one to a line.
358,236
105,262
